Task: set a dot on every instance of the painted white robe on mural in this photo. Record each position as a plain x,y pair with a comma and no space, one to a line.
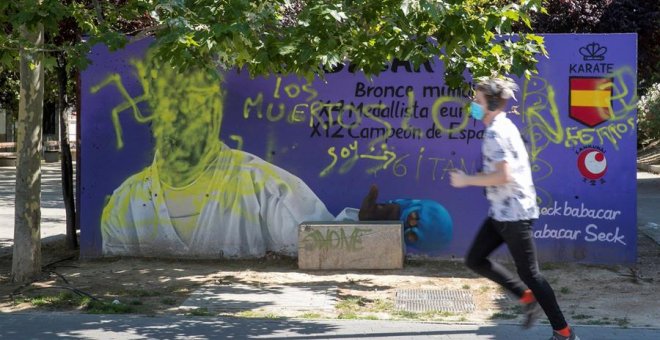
249,207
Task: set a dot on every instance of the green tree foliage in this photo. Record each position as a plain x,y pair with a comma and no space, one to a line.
37,37
280,36
609,16
648,116
65,23
306,37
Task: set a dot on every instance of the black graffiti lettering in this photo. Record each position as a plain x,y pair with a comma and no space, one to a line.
337,133
315,130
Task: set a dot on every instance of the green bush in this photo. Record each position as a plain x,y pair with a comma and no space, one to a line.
648,116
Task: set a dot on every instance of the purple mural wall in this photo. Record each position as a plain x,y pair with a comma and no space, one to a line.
331,139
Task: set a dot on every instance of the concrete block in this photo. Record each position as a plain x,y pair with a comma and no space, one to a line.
51,156
351,245
652,168
7,159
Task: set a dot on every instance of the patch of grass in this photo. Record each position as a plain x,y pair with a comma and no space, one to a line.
381,305
503,315
350,304
257,314
168,301
370,317
582,317
69,300
430,315
406,315
248,314
443,314
310,315
200,312
347,316
183,290
143,293
622,322
550,266
63,300
103,307
462,319
516,309
466,287
564,290
484,289
17,300
355,307
597,322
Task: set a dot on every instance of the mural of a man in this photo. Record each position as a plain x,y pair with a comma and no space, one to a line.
200,198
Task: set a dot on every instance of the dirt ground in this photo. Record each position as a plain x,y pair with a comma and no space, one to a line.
588,294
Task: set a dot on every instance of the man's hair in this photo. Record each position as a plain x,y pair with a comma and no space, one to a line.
497,91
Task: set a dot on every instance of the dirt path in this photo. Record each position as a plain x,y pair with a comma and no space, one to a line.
588,294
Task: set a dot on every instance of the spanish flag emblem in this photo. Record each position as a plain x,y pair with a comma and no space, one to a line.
591,99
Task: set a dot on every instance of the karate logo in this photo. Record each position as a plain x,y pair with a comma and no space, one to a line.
590,100
593,52
592,164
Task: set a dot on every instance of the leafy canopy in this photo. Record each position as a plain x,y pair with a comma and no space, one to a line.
306,37
295,36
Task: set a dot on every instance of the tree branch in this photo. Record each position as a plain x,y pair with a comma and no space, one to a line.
99,12
144,32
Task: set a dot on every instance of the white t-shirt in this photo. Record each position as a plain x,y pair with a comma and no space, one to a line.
245,207
516,200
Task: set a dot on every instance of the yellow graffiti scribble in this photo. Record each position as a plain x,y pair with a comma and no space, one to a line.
366,112
130,102
333,155
239,141
405,124
622,95
539,98
350,108
387,157
350,153
538,102
435,113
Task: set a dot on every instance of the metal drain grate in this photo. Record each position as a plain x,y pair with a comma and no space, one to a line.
425,300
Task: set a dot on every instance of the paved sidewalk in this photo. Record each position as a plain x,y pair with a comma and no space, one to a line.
648,202
53,217
58,325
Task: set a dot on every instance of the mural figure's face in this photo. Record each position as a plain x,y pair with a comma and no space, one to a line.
187,114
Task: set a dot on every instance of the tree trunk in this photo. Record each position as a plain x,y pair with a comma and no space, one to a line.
26,261
65,149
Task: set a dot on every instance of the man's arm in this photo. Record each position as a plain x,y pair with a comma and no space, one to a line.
500,176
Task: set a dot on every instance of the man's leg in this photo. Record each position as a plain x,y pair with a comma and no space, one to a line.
486,241
518,237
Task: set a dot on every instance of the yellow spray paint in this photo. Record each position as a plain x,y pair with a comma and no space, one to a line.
186,119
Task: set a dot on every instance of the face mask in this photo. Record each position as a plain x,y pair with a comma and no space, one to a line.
477,111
